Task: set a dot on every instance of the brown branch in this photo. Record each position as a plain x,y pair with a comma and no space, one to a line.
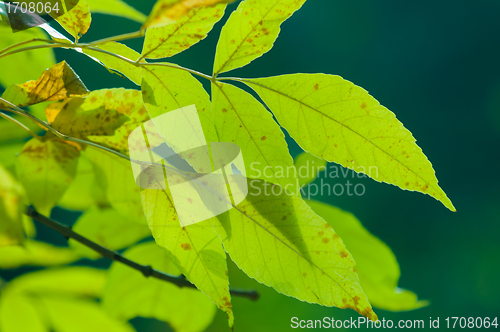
146,270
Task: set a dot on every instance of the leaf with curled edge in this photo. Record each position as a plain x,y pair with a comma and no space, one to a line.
56,83
277,239
166,41
77,20
101,113
251,31
340,122
168,11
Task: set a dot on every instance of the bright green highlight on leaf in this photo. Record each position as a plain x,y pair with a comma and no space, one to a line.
340,122
184,309
308,167
377,266
116,8
251,31
11,209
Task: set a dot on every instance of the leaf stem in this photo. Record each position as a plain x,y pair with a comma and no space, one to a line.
125,36
146,270
19,124
26,42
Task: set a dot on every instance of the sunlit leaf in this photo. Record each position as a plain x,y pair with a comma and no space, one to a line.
184,309
46,170
174,38
338,121
14,67
56,83
196,249
19,313
77,20
239,118
308,167
11,209
116,8
251,31
109,229
275,238
35,253
167,11
377,266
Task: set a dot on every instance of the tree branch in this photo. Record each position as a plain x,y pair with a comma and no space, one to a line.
146,270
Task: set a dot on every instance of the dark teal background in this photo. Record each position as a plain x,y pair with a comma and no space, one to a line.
435,64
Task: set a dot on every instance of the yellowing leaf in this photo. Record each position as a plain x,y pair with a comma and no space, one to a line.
338,121
196,250
174,38
308,167
251,31
113,63
239,118
14,67
11,210
46,170
56,83
107,228
184,309
77,20
167,11
34,253
377,266
116,8
275,238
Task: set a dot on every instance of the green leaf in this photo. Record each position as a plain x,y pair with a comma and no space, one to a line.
338,121
239,118
275,238
35,253
46,170
20,313
308,167
115,177
168,11
11,210
251,31
377,266
56,83
184,309
14,67
100,114
116,8
76,21
113,63
109,229
196,250
174,38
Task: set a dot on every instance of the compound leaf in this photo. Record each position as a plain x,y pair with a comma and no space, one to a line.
251,31
338,121
184,309
174,38
116,8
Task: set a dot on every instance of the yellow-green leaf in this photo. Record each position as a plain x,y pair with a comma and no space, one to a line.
166,41
35,253
184,309
377,266
239,118
251,31
56,83
46,170
168,11
11,210
107,228
113,63
308,167
275,238
19,313
116,8
15,68
196,249
338,121
77,20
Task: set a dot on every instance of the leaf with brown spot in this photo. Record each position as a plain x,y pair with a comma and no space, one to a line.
46,169
77,20
251,31
56,83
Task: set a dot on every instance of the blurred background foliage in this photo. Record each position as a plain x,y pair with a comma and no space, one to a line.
435,65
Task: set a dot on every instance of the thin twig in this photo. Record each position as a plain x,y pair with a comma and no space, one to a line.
125,36
146,270
19,124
